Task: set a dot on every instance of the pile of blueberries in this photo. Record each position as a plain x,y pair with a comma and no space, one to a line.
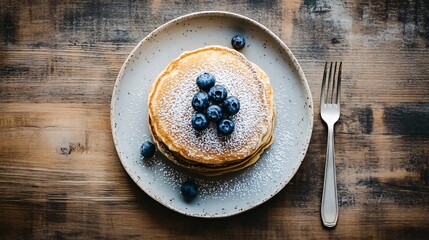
212,105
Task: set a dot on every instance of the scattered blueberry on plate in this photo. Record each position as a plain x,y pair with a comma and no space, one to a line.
218,93
214,113
199,121
226,126
231,105
147,149
200,101
189,190
238,42
205,81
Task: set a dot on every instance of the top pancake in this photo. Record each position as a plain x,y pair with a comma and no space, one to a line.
170,107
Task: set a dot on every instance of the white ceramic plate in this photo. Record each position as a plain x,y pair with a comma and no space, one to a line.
232,193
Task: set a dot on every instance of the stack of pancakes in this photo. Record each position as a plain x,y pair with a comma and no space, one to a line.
207,152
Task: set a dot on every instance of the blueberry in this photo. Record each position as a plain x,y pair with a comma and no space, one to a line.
214,113
189,190
238,42
231,105
200,101
225,126
205,81
218,93
199,121
147,149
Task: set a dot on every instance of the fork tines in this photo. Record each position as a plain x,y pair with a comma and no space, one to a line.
330,83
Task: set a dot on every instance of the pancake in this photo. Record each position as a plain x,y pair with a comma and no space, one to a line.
207,152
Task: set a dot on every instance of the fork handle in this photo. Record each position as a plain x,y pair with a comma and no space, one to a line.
329,207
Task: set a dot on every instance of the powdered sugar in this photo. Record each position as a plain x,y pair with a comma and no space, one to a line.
175,110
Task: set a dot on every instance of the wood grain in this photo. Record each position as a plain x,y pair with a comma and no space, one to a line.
60,177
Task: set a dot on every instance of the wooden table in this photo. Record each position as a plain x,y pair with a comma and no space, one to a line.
60,176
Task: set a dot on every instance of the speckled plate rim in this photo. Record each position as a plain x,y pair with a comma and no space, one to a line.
170,23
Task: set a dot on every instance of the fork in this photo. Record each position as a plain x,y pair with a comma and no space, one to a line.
330,113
